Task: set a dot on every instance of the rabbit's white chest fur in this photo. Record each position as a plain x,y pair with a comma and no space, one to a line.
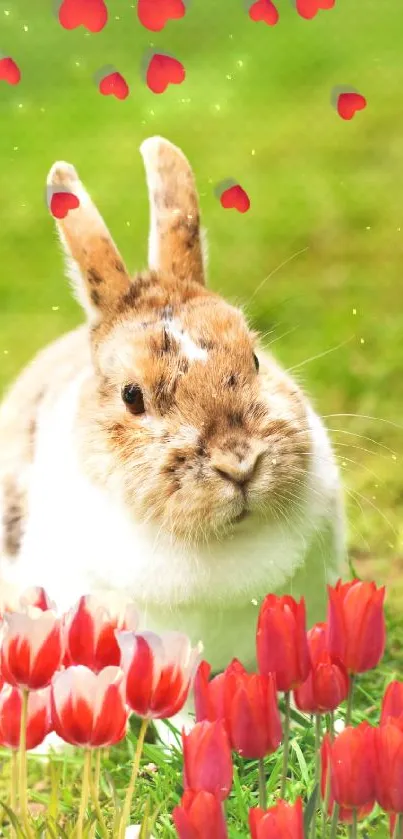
78,540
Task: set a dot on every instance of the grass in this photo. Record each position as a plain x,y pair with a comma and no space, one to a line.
316,262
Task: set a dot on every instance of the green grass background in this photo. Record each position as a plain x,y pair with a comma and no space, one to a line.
255,106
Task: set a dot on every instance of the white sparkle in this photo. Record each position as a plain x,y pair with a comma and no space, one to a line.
5,352
128,223
20,105
367,228
354,311
339,726
254,601
253,152
6,12
217,107
394,457
15,148
55,308
152,113
228,76
362,341
240,62
25,28
77,63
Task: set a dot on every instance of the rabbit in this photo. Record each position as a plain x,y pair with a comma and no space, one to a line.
158,450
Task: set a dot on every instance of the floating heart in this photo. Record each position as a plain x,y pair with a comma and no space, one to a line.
92,14
264,10
235,198
162,71
154,14
114,85
62,202
309,8
349,103
9,71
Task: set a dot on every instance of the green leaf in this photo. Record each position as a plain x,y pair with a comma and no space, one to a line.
310,809
301,761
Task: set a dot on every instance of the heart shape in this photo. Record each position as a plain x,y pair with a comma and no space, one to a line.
9,71
349,103
235,198
114,85
92,14
264,10
155,14
162,71
309,8
62,202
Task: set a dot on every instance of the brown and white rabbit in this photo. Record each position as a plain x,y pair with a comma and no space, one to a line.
158,450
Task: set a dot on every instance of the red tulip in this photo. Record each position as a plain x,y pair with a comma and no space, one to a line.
88,709
328,683
356,624
283,821
208,696
251,712
32,648
351,760
90,632
200,816
282,646
39,722
159,671
392,703
36,596
389,767
207,764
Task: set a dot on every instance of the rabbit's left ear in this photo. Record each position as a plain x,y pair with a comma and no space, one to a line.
94,265
175,243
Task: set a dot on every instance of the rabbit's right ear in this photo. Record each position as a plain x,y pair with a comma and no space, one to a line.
94,264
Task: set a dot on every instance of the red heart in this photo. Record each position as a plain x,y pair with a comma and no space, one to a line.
93,14
235,198
264,10
309,8
114,85
162,71
349,103
62,202
9,71
154,14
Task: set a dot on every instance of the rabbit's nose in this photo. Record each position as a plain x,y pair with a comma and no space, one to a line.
232,467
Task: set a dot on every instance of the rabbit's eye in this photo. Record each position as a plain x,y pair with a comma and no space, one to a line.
256,360
133,398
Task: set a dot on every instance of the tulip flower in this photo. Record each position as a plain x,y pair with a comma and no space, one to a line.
389,767
200,816
392,703
281,641
207,764
36,596
39,722
350,758
32,648
90,631
356,625
283,821
328,683
208,695
251,712
159,671
88,709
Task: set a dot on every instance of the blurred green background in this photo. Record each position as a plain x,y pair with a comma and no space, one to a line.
324,231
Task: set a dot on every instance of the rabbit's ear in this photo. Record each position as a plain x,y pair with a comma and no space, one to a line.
94,264
175,245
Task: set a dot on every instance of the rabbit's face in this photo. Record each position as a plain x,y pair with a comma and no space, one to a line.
184,420
200,428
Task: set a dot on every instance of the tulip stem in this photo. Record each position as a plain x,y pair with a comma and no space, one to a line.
135,771
262,785
353,826
397,833
84,793
331,726
94,789
317,774
23,762
350,699
326,802
286,746
335,820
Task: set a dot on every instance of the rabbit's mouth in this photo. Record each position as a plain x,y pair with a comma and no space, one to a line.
241,516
